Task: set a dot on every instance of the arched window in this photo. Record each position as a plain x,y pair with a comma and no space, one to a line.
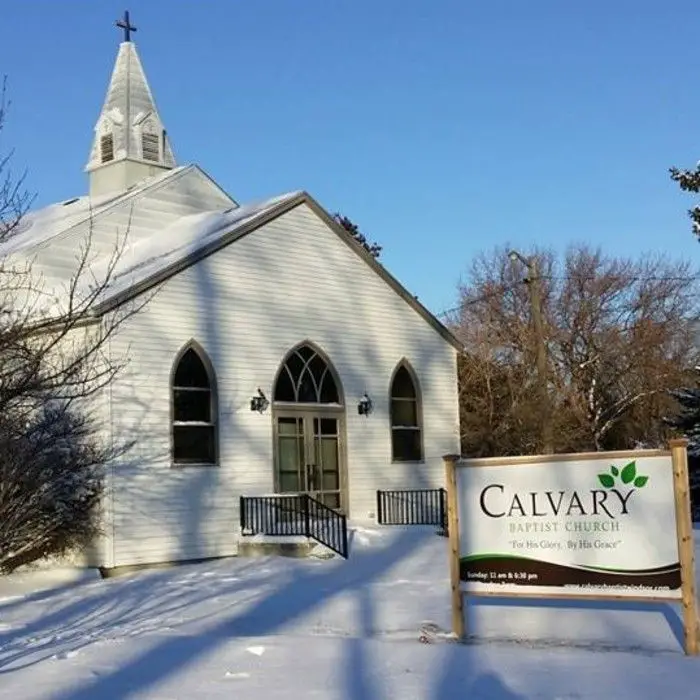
194,409
306,377
406,438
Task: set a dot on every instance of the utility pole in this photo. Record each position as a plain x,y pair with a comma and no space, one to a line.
533,283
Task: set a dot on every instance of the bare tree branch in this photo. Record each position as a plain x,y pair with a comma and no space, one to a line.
620,333
55,360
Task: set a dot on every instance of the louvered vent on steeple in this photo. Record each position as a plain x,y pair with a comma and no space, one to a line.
150,146
107,148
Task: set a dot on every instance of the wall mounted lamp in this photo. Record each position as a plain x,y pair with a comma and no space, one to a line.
364,407
259,403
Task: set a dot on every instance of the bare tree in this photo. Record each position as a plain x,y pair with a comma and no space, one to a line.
15,200
497,411
53,368
619,333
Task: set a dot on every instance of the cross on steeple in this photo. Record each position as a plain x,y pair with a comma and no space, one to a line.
126,26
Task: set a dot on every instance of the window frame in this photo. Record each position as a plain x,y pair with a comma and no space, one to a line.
213,406
419,427
330,370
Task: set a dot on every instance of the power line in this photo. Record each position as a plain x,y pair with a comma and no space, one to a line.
472,302
633,278
562,278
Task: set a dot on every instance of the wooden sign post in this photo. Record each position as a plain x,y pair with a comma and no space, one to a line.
458,624
575,526
686,546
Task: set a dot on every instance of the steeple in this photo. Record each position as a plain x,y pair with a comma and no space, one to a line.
130,142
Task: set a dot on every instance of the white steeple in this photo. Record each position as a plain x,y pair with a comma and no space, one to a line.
130,142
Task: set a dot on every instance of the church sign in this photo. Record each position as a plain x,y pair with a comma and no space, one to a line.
602,525
570,526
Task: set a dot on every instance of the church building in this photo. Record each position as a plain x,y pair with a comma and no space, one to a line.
274,355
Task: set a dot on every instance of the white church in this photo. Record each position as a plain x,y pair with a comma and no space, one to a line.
276,357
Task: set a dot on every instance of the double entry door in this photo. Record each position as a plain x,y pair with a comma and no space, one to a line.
309,456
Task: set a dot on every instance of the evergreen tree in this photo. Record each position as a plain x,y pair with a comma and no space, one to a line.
687,421
689,181
374,249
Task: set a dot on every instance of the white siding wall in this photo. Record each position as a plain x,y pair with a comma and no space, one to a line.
248,305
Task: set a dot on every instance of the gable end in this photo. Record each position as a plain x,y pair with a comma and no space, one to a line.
409,298
259,221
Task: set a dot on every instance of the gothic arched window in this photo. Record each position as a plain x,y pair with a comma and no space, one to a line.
306,377
406,437
194,409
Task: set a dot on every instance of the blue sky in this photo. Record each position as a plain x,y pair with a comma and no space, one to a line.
441,127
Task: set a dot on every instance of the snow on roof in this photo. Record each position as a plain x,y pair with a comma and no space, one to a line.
175,243
164,240
40,226
139,261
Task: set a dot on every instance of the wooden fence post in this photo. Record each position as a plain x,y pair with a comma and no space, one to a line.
684,531
458,623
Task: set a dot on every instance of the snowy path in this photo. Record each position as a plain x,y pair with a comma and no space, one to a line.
287,628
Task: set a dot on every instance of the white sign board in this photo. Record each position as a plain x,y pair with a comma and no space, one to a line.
578,527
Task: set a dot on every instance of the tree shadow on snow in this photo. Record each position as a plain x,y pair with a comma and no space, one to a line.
359,682
668,611
460,679
306,591
126,605
16,600
486,686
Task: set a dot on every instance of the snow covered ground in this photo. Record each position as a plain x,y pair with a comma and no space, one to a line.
312,628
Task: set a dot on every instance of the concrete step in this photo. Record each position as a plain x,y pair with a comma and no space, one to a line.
282,546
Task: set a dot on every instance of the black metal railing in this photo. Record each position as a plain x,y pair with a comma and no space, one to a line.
295,514
273,515
412,507
328,526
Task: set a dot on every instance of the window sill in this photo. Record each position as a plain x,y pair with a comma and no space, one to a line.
408,461
196,465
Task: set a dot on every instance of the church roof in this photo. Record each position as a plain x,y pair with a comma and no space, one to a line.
39,227
187,240
161,250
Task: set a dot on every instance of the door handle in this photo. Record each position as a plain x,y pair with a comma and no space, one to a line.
311,476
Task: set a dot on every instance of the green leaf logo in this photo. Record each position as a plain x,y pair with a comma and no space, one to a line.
629,473
606,480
